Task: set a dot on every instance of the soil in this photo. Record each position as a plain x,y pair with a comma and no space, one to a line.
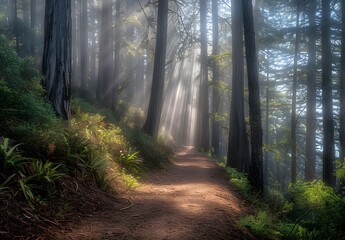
190,199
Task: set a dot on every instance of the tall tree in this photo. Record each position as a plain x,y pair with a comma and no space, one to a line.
118,71
311,95
238,150
83,44
15,23
26,35
151,125
203,114
327,100
294,101
342,86
215,76
256,164
56,64
105,69
33,27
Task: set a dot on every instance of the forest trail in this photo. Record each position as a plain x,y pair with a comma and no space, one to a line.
191,199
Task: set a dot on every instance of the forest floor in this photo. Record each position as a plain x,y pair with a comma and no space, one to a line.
190,199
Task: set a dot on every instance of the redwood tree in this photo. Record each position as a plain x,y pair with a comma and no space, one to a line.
310,159
256,167
238,150
327,101
83,44
215,76
203,117
105,70
151,125
56,63
294,103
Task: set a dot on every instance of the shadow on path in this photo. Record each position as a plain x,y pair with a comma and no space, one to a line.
191,199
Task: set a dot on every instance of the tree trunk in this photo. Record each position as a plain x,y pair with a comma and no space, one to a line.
255,168
238,150
15,24
311,96
151,125
203,117
118,68
327,101
33,28
26,36
105,74
342,87
56,64
294,101
215,75
75,62
83,44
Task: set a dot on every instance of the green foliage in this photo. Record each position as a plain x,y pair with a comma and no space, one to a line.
340,171
133,117
262,225
103,136
155,152
9,157
239,180
130,181
129,160
318,209
19,73
80,104
82,160
38,181
24,113
35,178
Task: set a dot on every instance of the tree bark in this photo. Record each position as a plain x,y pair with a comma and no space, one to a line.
151,125
33,27
215,75
311,96
203,114
238,150
293,139
342,87
83,44
56,64
256,165
327,101
118,68
106,61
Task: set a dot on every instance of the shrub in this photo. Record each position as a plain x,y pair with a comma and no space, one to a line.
239,180
36,179
155,153
318,209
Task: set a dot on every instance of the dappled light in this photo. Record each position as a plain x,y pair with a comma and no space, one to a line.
184,119
176,205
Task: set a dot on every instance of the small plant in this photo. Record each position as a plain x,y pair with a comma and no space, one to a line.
10,158
261,225
239,180
130,181
318,209
154,153
129,160
38,181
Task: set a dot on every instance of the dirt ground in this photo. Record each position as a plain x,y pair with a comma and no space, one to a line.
191,199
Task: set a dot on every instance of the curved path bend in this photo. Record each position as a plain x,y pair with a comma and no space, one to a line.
191,199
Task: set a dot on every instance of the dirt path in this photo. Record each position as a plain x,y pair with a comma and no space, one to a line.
191,199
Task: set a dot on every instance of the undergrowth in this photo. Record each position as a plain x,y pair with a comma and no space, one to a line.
309,210
40,156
